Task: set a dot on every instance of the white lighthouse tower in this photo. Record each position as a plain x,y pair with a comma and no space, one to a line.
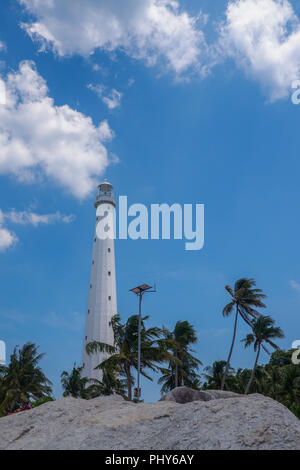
102,299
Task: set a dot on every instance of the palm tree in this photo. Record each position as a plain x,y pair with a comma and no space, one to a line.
264,331
74,385
182,364
214,374
261,380
123,355
274,381
244,297
23,380
2,390
238,382
110,384
289,388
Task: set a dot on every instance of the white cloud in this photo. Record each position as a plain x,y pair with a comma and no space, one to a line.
2,93
39,139
263,37
295,285
214,333
221,332
31,218
144,29
73,322
7,239
70,321
112,99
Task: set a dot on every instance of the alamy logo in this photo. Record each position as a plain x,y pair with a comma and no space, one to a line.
188,223
2,92
296,94
2,353
296,354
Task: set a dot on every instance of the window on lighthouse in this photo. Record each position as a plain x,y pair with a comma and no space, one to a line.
109,297
109,273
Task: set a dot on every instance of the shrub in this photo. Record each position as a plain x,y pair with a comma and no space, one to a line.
295,409
41,402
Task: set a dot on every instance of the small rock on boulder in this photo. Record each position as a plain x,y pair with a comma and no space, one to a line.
186,395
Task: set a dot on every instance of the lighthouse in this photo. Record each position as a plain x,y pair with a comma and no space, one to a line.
102,298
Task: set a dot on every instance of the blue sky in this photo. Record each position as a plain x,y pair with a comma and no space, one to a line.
201,113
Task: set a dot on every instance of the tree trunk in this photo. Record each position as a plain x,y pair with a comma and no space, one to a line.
231,349
129,387
253,371
176,372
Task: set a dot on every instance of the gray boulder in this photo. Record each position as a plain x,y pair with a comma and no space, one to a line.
187,395
111,423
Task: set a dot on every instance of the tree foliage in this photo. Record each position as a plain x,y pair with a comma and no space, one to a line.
22,381
123,355
245,299
182,364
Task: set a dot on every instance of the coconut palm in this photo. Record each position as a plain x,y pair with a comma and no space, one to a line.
109,384
261,380
214,374
264,331
238,382
244,296
77,386
123,355
23,380
275,379
182,364
73,384
289,388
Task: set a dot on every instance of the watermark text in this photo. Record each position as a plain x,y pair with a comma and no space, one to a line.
2,353
159,222
296,93
296,354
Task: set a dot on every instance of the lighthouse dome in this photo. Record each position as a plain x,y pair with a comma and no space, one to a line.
106,183
105,193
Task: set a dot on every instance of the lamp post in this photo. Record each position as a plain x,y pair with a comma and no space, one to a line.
140,291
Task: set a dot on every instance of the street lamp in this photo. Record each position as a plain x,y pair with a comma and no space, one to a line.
140,291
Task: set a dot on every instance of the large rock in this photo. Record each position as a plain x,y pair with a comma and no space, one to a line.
186,395
110,423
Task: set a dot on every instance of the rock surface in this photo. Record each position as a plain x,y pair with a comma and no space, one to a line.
110,423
